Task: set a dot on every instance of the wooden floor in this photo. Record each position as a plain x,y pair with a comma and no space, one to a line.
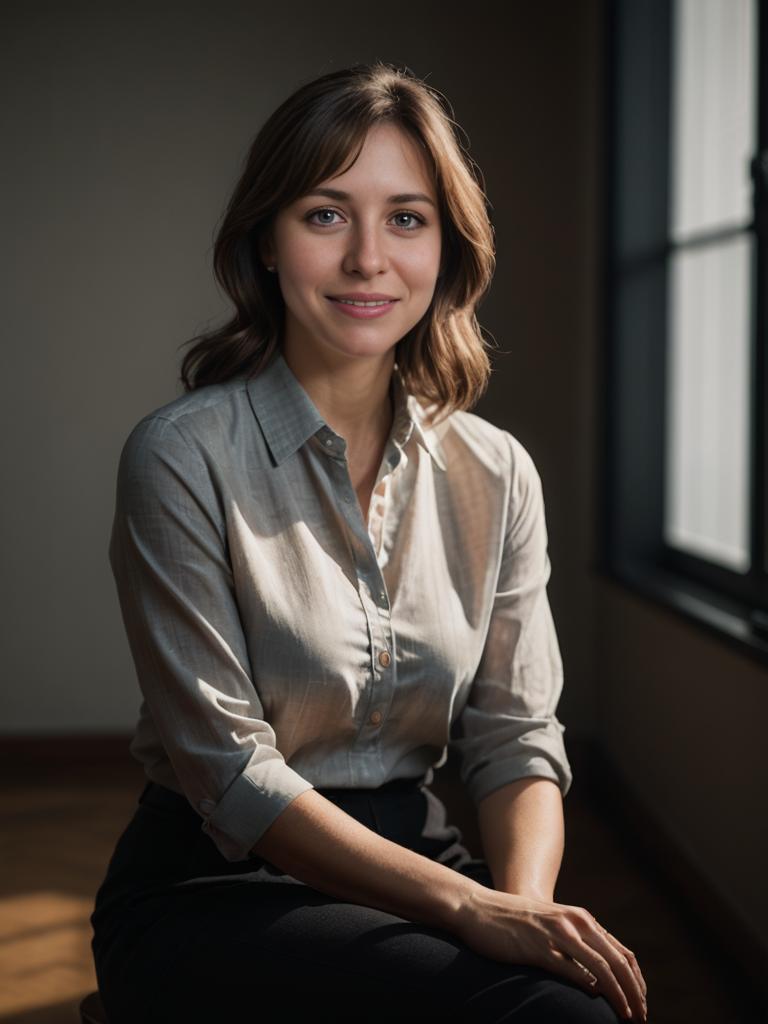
58,835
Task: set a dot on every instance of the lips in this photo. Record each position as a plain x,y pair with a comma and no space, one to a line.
364,309
364,297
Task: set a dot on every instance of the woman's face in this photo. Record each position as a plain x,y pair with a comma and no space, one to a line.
378,235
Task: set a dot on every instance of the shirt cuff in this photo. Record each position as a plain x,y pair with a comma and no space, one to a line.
249,806
501,771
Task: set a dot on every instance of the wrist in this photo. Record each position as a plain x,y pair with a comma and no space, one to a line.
531,892
460,901
535,889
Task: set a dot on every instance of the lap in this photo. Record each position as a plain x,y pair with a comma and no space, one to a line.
206,947
222,948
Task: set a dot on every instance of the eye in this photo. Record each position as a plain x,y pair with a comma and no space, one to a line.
414,216
326,212
315,213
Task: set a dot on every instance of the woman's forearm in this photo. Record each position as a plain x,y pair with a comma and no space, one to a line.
323,846
523,835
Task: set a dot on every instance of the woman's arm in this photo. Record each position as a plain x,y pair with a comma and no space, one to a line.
523,835
323,846
318,843
507,731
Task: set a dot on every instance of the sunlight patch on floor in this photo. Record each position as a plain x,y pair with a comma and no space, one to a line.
49,935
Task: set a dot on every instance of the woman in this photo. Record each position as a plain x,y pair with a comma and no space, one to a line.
329,570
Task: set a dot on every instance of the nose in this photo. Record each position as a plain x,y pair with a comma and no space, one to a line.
366,252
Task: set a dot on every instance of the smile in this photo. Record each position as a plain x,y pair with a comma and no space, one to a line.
364,310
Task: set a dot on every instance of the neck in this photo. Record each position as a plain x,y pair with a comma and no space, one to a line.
353,395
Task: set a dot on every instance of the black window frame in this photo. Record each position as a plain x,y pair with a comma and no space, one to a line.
630,547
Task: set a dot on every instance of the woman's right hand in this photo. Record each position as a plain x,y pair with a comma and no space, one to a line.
523,930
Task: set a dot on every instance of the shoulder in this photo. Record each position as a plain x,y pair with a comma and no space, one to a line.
465,435
512,480
196,421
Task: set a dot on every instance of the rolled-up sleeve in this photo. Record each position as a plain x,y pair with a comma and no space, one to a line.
508,728
169,555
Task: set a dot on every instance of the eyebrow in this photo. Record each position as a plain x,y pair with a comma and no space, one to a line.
402,197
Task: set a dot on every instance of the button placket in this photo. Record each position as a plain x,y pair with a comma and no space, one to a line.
370,580
376,515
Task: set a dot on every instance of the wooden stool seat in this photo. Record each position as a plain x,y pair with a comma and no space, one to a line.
91,1010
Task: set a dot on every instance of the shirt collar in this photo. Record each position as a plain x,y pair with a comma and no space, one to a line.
288,417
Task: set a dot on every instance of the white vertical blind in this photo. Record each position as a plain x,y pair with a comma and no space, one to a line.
714,114
707,469
710,285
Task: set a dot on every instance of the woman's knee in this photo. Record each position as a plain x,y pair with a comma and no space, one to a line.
534,996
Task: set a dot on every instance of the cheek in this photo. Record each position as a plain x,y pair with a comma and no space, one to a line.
423,266
307,265
304,258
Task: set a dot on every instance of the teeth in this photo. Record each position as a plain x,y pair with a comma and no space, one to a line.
354,302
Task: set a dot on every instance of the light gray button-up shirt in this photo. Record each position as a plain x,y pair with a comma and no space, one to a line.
282,643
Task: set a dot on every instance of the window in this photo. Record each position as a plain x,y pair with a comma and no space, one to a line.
685,384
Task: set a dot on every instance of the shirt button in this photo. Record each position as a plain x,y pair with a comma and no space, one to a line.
384,658
383,596
329,442
376,717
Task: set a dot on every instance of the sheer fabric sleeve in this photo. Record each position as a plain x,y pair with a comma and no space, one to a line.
508,729
169,556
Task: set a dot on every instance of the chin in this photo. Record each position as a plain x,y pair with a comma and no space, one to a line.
364,348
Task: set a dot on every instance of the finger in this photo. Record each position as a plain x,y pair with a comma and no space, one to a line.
626,962
609,985
632,960
574,971
613,971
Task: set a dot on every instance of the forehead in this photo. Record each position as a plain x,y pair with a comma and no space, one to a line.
390,159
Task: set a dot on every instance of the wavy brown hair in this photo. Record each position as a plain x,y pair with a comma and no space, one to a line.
316,133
